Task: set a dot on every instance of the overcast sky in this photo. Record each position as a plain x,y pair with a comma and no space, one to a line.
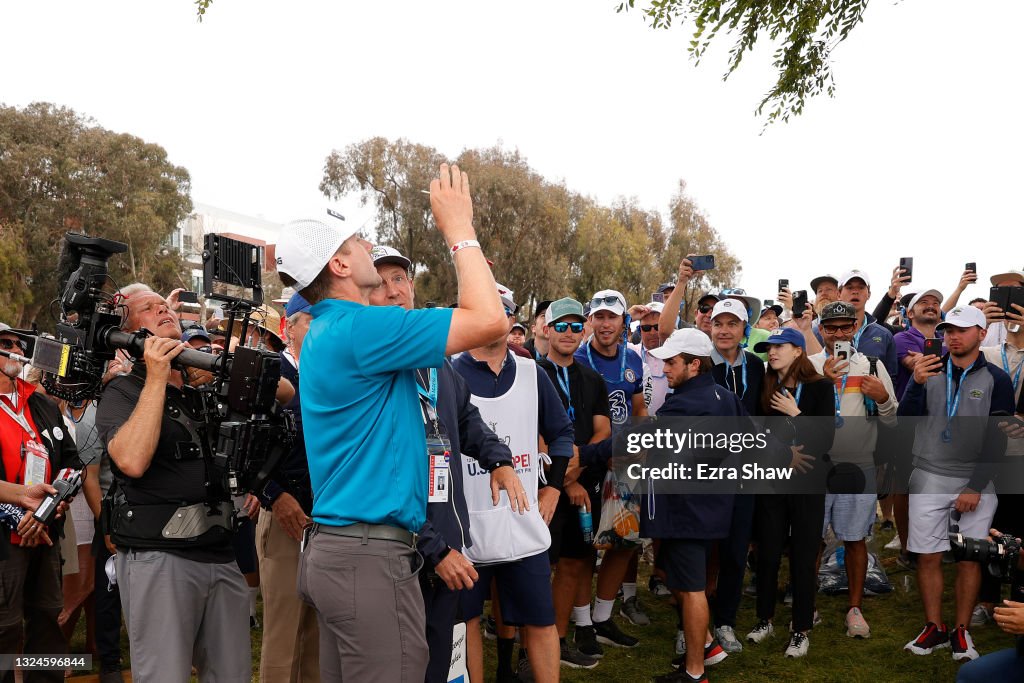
919,154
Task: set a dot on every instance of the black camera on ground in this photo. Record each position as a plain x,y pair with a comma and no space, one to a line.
999,556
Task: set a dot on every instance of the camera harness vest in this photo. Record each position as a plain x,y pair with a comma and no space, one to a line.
170,525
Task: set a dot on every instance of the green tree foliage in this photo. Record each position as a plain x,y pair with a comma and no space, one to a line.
806,32
545,240
60,172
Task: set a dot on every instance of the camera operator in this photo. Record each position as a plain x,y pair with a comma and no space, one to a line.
1006,666
33,447
368,457
184,600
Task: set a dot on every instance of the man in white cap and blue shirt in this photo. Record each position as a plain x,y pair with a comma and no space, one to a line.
954,458
365,430
870,338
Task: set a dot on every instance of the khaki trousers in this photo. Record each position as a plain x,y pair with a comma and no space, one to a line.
291,645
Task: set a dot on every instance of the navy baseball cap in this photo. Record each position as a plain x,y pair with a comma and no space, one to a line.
297,304
783,335
195,332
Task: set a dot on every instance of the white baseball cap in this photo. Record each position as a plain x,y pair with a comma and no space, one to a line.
920,295
688,340
506,294
382,255
655,307
854,275
304,246
600,302
964,316
730,306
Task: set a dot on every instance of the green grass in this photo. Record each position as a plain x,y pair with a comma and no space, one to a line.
894,618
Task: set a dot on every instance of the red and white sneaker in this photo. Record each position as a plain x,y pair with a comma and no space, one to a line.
963,645
931,638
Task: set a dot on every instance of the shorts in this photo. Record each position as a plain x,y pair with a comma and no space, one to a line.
244,542
684,562
566,533
931,499
524,590
850,514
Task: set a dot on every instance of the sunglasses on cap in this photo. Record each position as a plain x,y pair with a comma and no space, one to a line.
648,328
563,326
8,344
606,300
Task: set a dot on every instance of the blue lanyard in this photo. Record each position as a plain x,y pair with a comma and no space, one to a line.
952,401
431,393
1006,366
622,366
729,372
839,394
799,390
856,337
564,383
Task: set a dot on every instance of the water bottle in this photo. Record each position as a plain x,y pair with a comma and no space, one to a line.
841,556
586,524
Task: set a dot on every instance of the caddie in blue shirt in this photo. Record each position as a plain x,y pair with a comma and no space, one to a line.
365,433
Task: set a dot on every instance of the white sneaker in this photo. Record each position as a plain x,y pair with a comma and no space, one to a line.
727,639
894,544
798,645
764,629
680,642
963,645
856,625
980,616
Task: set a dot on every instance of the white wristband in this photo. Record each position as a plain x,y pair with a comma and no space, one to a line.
464,244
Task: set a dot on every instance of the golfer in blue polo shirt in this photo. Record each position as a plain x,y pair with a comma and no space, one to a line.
365,431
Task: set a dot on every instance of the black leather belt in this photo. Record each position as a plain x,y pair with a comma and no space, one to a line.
378,532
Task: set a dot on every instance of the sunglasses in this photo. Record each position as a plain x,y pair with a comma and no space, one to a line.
835,329
509,311
563,326
704,308
606,300
648,328
8,344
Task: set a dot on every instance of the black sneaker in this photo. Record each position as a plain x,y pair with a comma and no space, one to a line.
608,633
574,659
932,637
490,629
586,642
658,587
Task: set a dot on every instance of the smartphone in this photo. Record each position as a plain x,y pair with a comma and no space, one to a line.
799,302
842,351
783,284
1014,296
1001,296
703,262
972,266
768,303
933,347
188,297
907,264
657,297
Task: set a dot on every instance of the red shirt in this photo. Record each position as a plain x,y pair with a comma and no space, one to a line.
13,435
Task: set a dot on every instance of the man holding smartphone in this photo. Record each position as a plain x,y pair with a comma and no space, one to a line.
858,393
996,334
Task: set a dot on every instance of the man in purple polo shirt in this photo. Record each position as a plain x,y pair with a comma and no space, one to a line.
924,314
